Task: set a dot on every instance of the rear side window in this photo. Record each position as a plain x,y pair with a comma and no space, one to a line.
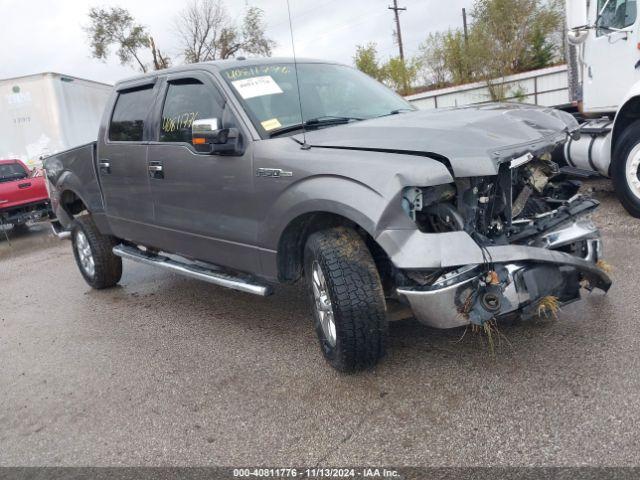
188,100
127,121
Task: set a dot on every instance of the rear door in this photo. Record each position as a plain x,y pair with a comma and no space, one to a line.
203,202
122,164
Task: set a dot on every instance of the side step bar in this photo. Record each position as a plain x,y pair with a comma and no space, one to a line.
579,172
192,270
59,231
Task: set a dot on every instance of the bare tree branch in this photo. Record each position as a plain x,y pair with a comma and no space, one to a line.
207,32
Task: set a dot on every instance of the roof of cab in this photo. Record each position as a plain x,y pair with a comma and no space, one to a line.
7,161
217,65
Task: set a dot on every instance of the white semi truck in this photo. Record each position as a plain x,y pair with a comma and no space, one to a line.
606,71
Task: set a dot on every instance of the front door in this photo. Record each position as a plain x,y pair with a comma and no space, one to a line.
203,202
122,166
611,56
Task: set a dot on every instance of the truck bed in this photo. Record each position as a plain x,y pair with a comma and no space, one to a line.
74,170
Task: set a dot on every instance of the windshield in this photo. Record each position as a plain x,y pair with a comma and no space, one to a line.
270,94
617,14
11,171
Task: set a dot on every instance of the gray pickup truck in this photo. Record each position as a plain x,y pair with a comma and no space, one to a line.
248,173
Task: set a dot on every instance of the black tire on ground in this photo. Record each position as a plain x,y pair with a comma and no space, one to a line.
107,269
355,299
626,149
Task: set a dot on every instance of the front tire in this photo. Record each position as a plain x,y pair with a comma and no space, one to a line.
347,299
94,256
625,169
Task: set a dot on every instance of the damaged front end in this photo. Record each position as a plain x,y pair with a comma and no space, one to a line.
533,245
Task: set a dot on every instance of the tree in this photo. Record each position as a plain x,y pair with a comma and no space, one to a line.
459,57
366,60
115,26
433,61
400,75
496,46
394,72
540,53
508,43
207,33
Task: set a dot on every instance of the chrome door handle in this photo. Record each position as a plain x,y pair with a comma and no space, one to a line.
104,166
156,170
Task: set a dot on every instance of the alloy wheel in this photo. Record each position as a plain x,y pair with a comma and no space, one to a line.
324,309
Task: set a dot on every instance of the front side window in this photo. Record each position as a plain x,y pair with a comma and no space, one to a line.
186,101
129,114
12,171
269,94
617,14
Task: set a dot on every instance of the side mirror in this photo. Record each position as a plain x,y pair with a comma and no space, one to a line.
208,137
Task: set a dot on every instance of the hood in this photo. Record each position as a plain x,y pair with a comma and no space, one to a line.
473,140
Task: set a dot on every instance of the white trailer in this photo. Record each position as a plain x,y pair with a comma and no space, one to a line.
46,113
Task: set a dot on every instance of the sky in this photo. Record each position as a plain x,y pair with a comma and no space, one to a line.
48,36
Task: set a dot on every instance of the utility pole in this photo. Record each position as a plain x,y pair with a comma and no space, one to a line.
396,10
464,24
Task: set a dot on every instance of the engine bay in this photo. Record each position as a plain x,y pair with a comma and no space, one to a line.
529,196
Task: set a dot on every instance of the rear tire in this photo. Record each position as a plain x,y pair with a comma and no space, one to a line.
347,299
93,253
625,169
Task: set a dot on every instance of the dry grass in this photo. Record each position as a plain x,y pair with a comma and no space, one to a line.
464,310
490,331
548,307
605,266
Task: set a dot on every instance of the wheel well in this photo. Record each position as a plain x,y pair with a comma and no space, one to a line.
629,113
71,203
295,235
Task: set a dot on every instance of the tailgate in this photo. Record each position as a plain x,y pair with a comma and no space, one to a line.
19,192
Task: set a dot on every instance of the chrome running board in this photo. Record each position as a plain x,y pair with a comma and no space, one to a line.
192,270
59,231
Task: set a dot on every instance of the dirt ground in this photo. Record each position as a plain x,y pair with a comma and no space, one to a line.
165,370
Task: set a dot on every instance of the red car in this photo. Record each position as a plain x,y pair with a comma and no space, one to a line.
23,193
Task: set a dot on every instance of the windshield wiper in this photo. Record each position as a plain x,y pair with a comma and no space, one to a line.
324,121
331,118
397,111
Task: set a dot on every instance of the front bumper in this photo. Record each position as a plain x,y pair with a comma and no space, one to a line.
523,276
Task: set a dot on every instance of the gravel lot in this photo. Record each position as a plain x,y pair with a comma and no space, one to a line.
165,370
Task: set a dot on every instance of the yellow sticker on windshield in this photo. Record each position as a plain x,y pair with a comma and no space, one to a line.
271,124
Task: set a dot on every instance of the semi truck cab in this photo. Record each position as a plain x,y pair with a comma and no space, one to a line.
606,69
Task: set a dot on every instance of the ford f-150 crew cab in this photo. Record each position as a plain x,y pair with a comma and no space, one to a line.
246,173
23,194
